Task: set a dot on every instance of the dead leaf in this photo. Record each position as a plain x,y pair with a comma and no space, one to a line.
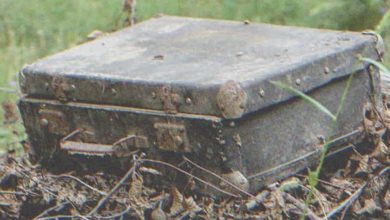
158,214
370,207
381,152
190,205
177,202
137,201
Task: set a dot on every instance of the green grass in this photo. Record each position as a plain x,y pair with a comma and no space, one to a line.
35,28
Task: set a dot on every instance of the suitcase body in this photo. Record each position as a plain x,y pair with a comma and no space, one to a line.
202,88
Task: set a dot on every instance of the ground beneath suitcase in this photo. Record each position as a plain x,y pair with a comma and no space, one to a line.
354,185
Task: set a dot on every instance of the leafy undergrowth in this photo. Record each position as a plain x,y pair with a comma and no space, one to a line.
352,185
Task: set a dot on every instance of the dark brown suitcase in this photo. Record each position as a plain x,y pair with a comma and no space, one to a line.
202,88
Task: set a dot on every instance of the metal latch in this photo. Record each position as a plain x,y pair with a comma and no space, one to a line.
172,137
124,147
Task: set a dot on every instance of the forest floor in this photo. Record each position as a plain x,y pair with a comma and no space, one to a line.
353,184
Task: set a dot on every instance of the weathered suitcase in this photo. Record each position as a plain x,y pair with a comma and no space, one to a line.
202,88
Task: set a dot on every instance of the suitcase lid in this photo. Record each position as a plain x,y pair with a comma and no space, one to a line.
197,66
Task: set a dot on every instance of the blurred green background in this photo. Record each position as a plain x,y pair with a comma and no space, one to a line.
30,29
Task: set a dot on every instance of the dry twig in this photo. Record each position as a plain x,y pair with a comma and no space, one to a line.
64,217
189,174
47,211
80,181
219,177
115,188
322,181
301,206
14,193
348,202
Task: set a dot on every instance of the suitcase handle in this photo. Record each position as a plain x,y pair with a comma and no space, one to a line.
124,147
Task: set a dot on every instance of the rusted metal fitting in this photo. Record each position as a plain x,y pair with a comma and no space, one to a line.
170,100
231,100
172,137
61,89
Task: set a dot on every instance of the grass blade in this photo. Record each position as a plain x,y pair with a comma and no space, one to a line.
344,97
307,98
382,67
